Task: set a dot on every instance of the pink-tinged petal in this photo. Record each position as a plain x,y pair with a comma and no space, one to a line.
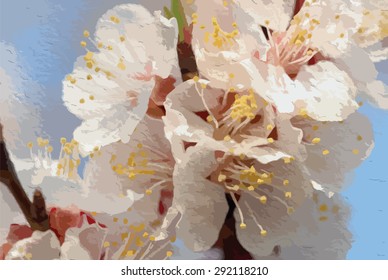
40,246
62,219
85,242
18,232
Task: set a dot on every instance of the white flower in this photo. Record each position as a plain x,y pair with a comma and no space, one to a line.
249,44
269,163
110,89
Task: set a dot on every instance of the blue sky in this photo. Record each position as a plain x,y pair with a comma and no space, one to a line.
46,35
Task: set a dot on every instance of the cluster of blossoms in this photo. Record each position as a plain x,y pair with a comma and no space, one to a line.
268,128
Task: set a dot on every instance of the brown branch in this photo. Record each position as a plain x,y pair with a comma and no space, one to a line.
35,212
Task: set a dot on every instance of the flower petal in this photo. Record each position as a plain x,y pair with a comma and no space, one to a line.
40,246
269,224
201,203
83,243
341,147
322,230
110,89
275,14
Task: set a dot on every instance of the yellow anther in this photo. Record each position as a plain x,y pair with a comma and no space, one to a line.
359,138
231,76
287,194
93,213
130,253
145,234
30,145
114,243
106,244
196,79
109,47
316,140
269,127
337,16
91,97
323,208
227,138
97,69
125,221
290,210
221,178
169,253
173,239
325,152
264,176
100,45
115,220
86,33
209,119
50,149
121,66
203,85
260,181
342,35
82,101
148,192
194,15
267,22
356,151
263,199
243,226
139,145
323,218
287,160
115,19
251,188
152,238
83,44
263,233
286,182
315,127
270,140
89,77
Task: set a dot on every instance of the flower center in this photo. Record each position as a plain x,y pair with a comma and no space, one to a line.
140,163
67,162
292,49
241,176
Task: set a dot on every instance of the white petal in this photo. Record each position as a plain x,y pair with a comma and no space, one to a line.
181,122
113,100
348,143
364,74
40,246
330,92
277,13
83,243
273,216
201,203
322,231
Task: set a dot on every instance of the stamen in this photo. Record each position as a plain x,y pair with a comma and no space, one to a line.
242,224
